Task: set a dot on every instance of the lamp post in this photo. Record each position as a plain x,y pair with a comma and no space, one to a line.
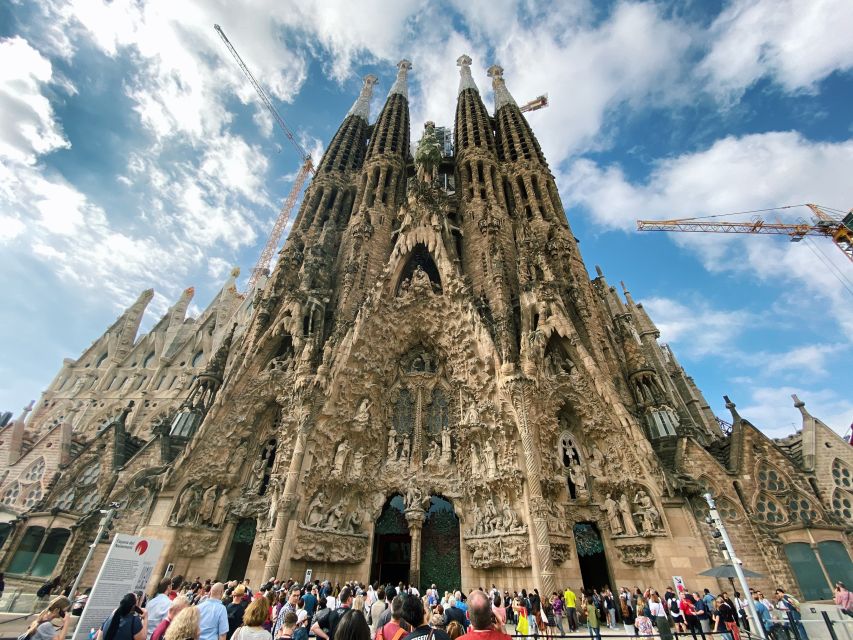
109,514
717,522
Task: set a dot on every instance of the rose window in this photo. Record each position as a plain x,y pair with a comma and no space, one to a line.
771,480
35,472
33,497
65,500
10,496
769,510
90,474
842,504
841,474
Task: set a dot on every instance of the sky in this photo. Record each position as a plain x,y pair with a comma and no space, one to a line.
134,154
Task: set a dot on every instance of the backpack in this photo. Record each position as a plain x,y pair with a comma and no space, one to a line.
673,607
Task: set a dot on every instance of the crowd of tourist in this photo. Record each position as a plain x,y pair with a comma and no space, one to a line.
285,610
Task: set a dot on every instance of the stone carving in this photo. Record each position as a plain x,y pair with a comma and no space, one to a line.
392,444
489,460
330,547
627,515
415,499
362,416
446,446
504,551
199,506
472,416
578,478
433,453
487,521
647,512
636,553
341,457
194,544
611,508
339,517
476,468
560,553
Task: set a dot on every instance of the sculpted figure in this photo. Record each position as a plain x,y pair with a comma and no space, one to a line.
357,464
611,508
472,416
208,504
314,515
188,508
476,469
578,478
341,455
510,518
434,452
446,445
649,515
392,444
335,517
627,516
490,516
595,461
362,416
352,522
405,450
477,517
489,459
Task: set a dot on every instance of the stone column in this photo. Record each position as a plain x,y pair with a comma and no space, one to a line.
518,388
289,499
415,519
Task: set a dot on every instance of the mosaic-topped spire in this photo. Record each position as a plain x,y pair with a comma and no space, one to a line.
466,80
401,84
502,95
361,106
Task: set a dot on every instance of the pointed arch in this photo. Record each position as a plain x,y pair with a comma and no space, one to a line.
768,509
772,479
419,259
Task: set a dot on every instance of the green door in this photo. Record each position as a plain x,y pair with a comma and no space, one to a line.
440,558
807,571
837,561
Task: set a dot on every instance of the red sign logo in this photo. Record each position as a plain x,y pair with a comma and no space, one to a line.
141,547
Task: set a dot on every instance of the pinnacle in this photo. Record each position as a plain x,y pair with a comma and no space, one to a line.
502,95
466,80
400,84
361,106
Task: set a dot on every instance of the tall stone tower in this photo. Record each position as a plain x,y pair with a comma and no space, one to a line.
429,388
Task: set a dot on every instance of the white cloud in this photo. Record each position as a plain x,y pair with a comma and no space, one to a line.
772,410
796,42
736,174
28,127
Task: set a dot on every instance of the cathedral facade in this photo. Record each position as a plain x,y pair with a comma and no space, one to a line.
429,388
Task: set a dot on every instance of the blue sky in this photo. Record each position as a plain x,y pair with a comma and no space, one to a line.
133,154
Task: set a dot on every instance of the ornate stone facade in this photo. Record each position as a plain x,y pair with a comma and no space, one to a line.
429,331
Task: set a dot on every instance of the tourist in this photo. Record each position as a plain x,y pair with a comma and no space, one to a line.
723,616
657,612
158,606
593,621
742,606
480,612
385,616
730,615
213,617
557,608
791,606
455,613
345,601
396,627
52,623
236,609
688,610
300,631
627,611
310,602
570,601
498,610
455,630
535,617
353,626
376,610
764,615
643,624
287,626
413,613
320,623
127,622
175,607
672,604
843,598
522,623
185,626
80,602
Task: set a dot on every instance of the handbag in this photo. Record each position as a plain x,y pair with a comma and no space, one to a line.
523,627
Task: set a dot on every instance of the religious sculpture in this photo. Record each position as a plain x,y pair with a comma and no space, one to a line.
392,444
578,478
627,516
489,460
341,455
434,453
476,469
188,505
648,513
446,446
428,155
611,508
208,505
362,416
405,449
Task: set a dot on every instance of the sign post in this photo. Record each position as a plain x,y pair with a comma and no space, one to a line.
127,567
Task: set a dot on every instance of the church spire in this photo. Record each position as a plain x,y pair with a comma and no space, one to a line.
361,106
401,84
466,80
502,94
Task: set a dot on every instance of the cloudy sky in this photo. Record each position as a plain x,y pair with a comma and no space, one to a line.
133,154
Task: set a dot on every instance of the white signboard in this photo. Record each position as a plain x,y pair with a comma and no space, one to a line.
308,573
680,587
127,567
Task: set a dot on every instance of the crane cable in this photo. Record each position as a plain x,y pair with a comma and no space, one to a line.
833,269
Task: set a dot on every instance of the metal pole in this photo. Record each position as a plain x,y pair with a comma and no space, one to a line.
736,563
109,514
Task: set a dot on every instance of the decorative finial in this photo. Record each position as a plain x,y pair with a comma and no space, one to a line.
466,80
799,404
361,106
599,271
732,407
502,96
235,272
401,85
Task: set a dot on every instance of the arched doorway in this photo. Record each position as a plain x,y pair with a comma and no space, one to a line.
241,548
440,557
392,544
593,563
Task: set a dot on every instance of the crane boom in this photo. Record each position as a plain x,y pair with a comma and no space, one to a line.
840,231
262,265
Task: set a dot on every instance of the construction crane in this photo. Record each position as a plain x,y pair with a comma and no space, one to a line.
539,102
840,231
262,266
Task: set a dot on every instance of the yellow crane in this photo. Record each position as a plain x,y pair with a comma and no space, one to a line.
262,266
838,229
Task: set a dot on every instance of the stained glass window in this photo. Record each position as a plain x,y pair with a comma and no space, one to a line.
88,501
587,539
801,509
404,412
438,415
33,496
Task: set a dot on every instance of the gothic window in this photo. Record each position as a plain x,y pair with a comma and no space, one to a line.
841,474
420,259
10,495
842,504
35,471
768,509
725,507
89,500
101,360
90,474
197,359
148,360
439,412
404,412
33,496
802,509
770,479
66,500
268,460
568,451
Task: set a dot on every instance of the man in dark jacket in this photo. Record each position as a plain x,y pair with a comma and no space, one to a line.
418,618
452,613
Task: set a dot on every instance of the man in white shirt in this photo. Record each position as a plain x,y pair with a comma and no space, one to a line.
158,606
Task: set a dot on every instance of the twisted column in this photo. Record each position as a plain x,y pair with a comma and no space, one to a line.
542,563
415,519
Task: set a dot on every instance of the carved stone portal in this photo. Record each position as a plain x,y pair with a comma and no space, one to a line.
329,547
